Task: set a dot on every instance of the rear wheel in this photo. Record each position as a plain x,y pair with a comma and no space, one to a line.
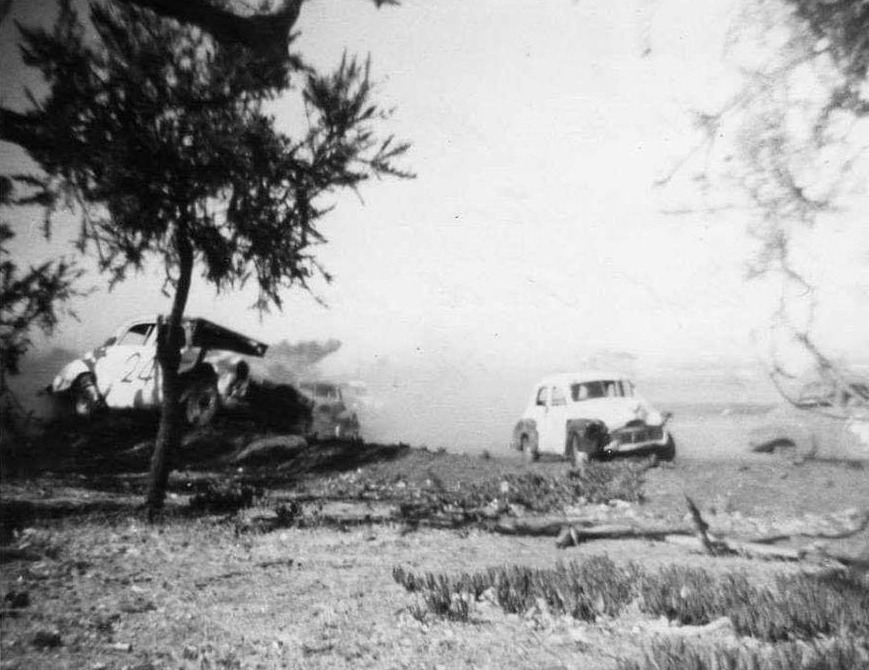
86,398
200,401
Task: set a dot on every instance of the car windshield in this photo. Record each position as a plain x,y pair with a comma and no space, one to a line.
600,389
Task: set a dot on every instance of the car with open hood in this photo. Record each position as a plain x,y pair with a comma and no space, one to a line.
591,414
123,372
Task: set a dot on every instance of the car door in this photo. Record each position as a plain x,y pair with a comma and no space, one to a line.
126,373
556,420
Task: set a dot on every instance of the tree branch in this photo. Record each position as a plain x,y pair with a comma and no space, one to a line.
267,35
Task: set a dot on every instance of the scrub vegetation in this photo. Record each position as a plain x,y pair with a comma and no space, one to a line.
363,555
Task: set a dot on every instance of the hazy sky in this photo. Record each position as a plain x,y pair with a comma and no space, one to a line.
532,232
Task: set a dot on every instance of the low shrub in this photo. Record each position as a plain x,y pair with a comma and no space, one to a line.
848,653
796,607
582,590
597,483
223,497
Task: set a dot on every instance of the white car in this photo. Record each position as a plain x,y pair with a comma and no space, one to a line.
123,373
591,414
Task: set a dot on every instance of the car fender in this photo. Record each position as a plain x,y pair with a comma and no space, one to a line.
525,428
64,379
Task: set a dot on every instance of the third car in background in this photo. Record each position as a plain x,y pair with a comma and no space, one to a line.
331,416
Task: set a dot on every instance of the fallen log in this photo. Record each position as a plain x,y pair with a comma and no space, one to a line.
858,523
583,529
748,549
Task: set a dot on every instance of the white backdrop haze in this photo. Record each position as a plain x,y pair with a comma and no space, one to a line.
533,238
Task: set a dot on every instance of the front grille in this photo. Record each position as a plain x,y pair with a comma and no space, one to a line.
639,434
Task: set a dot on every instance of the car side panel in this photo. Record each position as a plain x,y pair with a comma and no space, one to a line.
127,377
552,437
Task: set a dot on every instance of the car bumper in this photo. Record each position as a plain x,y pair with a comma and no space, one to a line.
637,440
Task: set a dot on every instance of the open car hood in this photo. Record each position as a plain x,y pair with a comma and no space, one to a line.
209,335
615,412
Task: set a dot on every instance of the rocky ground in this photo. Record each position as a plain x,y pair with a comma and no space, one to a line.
285,557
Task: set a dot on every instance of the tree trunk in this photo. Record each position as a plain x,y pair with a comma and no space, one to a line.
169,342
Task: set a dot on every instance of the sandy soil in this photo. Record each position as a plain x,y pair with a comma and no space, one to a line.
106,591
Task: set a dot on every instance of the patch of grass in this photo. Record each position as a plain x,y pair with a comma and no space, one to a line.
846,653
797,607
223,497
582,590
443,596
433,490
602,482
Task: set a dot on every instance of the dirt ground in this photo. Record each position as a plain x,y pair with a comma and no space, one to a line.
87,584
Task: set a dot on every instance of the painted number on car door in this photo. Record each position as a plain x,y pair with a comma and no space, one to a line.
134,366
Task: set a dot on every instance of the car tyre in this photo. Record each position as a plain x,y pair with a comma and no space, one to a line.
577,456
86,399
200,401
668,451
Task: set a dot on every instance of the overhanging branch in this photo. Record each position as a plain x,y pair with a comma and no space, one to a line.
267,35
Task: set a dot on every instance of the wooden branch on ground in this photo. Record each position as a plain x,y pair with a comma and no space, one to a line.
572,531
747,549
713,547
575,530
860,523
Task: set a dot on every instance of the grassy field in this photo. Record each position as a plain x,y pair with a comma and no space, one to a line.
383,556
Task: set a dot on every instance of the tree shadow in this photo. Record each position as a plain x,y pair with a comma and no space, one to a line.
323,458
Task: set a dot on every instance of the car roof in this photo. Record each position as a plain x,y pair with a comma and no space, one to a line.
207,333
565,378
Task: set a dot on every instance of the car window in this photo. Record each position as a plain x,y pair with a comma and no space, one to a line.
327,391
136,335
558,397
542,396
597,389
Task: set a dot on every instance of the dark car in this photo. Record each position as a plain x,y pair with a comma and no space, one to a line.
826,420
331,415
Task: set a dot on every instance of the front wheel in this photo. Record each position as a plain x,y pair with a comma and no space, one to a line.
86,399
200,401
